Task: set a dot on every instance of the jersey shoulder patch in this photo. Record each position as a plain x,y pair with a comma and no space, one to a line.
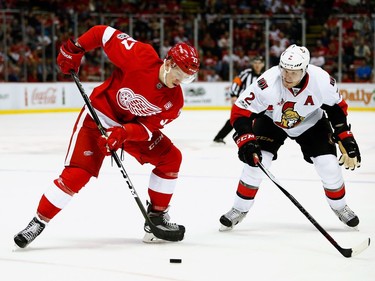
332,81
262,83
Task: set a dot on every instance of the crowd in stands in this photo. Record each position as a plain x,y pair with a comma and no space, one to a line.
32,32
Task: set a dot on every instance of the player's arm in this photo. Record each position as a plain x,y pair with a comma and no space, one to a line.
116,136
248,147
71,53
337,115
140,130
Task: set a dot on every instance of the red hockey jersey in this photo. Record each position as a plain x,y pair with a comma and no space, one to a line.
133,93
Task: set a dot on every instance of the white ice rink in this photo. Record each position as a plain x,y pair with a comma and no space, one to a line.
98,235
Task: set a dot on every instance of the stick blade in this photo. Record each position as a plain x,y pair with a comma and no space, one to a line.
348,253
361,247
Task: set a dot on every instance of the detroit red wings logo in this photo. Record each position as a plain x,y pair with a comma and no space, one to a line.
135,103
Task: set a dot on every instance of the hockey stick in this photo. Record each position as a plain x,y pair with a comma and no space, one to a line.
346,252
159,233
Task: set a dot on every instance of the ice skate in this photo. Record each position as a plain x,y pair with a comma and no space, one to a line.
231,219
347,216
219,141
28,235
160,220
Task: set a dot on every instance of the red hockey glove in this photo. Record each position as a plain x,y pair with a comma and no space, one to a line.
351,157
248,149
70,57
114,140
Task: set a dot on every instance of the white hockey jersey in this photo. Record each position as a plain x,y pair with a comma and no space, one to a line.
294,110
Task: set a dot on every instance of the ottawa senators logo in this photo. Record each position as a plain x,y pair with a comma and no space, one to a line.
290,117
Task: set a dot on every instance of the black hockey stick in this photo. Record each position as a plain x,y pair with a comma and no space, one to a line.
159,233
350,252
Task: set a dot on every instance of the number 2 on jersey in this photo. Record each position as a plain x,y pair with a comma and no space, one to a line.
249,98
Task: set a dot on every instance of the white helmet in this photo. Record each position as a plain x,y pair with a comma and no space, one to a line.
294,58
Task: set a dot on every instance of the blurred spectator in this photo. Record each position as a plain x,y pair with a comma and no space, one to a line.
224,41
30,26
317,58
243,60
362,50
363,73
223,65
165,48
275,52
208,44
212,76
346,78
284,42
209,61
320,48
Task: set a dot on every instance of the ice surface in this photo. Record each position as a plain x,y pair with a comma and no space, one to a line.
98,235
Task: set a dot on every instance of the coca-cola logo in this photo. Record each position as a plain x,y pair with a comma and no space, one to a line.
47,96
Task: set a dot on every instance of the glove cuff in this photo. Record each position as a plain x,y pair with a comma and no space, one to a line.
71,47
345,134
241,140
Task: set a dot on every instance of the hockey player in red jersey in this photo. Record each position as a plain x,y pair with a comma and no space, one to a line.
141,96
298,101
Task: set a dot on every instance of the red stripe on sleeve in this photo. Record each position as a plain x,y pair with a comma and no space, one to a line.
237,112
344,106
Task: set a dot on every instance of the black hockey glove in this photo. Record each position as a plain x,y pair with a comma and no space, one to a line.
351,157
248,149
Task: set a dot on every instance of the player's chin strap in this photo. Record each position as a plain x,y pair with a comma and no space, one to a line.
165,72
345,252
168,235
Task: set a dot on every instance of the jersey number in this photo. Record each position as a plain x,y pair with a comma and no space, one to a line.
249,98
128,43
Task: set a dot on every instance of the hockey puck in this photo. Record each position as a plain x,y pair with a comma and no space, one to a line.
175,260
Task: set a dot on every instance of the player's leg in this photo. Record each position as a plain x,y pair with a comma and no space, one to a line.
83,161
166,159
224,131
247,189
270,139
319,150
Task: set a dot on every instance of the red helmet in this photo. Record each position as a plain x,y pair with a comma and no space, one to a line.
186,57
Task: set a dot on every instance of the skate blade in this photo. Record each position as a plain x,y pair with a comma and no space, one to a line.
214,143
17,248
224,228
354,228
150,238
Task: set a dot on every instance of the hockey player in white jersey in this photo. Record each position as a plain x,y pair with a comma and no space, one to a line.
302,102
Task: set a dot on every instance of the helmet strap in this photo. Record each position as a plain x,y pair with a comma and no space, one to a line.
165,72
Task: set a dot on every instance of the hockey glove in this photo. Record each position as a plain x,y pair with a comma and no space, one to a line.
351,157
70,57
114,140
248,149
